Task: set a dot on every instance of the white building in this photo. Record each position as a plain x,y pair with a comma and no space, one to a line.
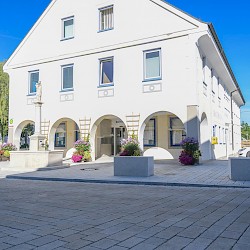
106,60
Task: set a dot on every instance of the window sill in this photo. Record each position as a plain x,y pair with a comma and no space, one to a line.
152,80
32,94
66,90
66,39
100,31
175,147
105,86
149,146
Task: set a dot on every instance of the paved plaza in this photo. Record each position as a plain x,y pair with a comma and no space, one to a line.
63,215
167,172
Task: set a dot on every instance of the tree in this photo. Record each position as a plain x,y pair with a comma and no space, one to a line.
245,131
4,102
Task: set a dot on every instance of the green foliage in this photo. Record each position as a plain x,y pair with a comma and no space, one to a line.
245,131
87,156
130,147
4,102
6,154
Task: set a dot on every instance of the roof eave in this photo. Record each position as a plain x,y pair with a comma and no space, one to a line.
217,41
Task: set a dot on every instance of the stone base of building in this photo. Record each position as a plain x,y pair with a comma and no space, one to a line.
239,169
134,166
35,160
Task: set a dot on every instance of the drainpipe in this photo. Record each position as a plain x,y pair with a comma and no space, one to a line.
232,117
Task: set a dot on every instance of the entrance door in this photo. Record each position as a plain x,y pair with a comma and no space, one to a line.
119,134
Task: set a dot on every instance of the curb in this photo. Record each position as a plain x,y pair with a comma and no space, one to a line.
141,183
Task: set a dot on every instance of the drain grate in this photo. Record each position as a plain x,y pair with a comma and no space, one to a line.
89,169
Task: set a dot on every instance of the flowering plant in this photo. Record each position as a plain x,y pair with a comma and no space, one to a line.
83,149
191,153
8,147
82,145
76,158
130,147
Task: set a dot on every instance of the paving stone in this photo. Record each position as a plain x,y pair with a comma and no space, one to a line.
199,244
73,237
192,232
131,242
43,240
121,236
21,247
231,235
213,232
149,232
175,243
143,246
239,246
118,248
185,223
13,240
77,244
104,243
65,232
95,237
244,240
4,246
52,245
169,232
222,243
154,241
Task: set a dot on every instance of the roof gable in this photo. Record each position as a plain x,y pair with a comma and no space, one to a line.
146,18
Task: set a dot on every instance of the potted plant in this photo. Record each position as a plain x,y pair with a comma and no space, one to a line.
130,162
83,151
191,153
5,151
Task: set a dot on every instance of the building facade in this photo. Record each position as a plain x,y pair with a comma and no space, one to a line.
103,63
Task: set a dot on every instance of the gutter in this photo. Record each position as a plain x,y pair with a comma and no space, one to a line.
213,32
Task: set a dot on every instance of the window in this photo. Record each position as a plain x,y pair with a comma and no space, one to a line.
176,131
33,80
204,68
152,65
68,28
107,71
149,139
60,136
67,77
106,18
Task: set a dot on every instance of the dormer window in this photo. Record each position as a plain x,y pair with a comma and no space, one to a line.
68,28
106,18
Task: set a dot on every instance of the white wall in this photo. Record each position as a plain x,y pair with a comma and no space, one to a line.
138,26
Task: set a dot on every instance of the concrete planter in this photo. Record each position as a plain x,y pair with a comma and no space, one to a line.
239,169
137,166
35,160
3,158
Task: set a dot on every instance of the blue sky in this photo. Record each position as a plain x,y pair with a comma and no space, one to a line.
231,20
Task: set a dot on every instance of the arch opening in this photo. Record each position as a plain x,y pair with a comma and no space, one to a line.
22,134
106,135
161,134
63,134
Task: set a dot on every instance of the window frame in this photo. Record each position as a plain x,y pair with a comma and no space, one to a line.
154,144
65,145
63,20
171,145
106,59
100,18
62,82
29,85
145,52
